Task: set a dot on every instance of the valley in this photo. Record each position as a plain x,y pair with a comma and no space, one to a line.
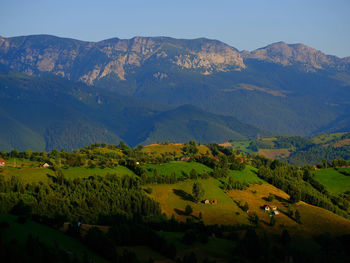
165,175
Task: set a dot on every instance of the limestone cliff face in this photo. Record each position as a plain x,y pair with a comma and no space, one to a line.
306,57
89,61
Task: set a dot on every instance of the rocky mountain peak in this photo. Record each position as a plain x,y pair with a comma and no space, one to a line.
294,54
90,61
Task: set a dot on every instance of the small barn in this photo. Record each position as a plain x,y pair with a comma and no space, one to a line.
206,201
214,202
274,208
2,162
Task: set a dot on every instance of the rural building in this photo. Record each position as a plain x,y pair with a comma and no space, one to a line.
214,202
274,208
207,202
2,162
45,165
267,207
276,212
185,159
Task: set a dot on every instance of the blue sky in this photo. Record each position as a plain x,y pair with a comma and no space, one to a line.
244,24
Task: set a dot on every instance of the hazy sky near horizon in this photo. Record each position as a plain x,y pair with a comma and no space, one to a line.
243,24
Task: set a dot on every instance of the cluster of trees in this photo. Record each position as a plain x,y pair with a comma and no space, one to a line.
92,200
232,184
33,250
315,154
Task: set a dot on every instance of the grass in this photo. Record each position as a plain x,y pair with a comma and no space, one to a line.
248,175
177,167
345,142
19,162
274,153
172,199
325,138
242,146
33,175
159,149
47,235
333,180
315,220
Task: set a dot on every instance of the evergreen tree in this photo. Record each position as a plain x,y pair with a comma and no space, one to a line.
193,174
188,210
245,207
197,191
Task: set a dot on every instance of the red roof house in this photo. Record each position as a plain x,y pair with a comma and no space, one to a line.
2,162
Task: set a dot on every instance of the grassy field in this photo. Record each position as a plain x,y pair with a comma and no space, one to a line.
274,153
19,162
159,149
315,220
173,199
47,235
242,146
345,142
325,138
333,180
248,175
177,167
29,175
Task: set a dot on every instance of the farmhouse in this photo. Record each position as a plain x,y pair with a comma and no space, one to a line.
210,202
2,162
271,209
45,165
267,207
185,159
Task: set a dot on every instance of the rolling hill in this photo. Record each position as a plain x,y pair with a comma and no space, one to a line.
49,112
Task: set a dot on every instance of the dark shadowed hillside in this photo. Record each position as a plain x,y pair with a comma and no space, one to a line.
49,112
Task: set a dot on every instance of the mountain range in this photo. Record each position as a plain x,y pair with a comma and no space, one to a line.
65,93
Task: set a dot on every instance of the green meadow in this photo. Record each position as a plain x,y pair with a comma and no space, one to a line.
173,199
176,167
333,180
248,175
31,175
242,146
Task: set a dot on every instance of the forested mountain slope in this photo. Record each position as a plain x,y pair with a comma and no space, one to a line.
284,88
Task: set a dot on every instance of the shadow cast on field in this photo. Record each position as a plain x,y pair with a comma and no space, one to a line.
183,213
183,195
